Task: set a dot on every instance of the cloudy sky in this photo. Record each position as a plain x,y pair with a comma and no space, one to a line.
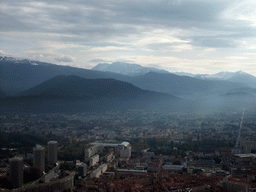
197,36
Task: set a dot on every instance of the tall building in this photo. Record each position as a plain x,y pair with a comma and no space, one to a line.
94,160
81,169
126,152
39,159
52,151
16,171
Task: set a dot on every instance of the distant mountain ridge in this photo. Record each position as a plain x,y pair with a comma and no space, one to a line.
243,77
217,76
184,74
126,69
20,75
238,77
175,84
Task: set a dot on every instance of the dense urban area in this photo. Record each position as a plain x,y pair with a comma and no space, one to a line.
134,150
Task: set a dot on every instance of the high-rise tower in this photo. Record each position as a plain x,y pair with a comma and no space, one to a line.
52,151
16,171
39,158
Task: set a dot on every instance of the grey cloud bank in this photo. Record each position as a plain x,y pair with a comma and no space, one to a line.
64,59
178,35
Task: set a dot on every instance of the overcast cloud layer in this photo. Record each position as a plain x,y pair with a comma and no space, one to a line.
196,36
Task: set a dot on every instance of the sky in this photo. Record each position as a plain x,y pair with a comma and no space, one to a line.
195,36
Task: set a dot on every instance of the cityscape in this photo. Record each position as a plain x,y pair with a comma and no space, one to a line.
128,151
128,96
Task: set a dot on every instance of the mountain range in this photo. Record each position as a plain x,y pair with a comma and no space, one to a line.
138,70
19,75
239,77
27,85
126,69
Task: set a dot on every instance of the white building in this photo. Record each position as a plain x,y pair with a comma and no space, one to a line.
96,173
103,168
92,151
120,150
173,167
109,157
94,160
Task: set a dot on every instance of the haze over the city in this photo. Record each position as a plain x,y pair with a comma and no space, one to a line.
180,35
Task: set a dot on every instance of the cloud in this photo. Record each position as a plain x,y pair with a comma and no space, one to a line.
2,52
65,59
98,60
214,42
108,48
96,21
113,30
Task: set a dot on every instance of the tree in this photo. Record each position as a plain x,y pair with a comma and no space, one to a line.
31,174
177,162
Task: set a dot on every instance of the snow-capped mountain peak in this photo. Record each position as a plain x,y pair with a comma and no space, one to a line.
126,68
17,60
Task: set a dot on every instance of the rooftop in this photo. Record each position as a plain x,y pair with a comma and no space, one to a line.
52,142
245,155
125,143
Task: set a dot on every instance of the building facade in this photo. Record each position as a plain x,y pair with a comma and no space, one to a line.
39,157
94,160
16,171
92,151
52,151
81,169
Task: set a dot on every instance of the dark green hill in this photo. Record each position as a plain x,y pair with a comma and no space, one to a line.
76,94
74,86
